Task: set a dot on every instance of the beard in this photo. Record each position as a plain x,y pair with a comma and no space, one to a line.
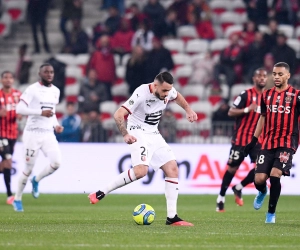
46,83
159,97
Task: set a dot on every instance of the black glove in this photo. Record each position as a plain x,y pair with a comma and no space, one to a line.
249,146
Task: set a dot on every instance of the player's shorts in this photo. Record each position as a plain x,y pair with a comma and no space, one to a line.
7,148
280,158
150,149
236,155
33,141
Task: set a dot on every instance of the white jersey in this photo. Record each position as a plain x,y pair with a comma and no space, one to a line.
40,97
146,109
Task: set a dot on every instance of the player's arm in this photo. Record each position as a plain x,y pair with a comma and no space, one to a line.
239,106
23,109
259,126
57,127
190,114
120,121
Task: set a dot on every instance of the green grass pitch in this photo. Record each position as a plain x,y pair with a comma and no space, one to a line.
69,222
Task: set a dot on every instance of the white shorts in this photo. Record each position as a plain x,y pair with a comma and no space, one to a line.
150,149
33,141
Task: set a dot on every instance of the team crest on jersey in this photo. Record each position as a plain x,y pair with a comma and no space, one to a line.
288,99
131,102
284,157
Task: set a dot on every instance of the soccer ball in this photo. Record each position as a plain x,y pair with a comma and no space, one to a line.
143,214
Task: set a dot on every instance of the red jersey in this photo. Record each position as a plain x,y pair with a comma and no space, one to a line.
281,111
245,124
8,123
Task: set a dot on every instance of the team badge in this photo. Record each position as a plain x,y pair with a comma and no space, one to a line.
288,99
131,102
284,157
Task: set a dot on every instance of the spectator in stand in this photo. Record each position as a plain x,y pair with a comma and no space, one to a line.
143,36
37,13
159,59
204,27
268,65
230,61
136,16
271,36
254,56
112,23
181,8
199,8
285,11
257,11
136,69
220,119
121,40
167,28
71,123
154,11
167,126
248,34
92,93
102,60
92,130
23,66
119,4
71,9
77,40
284,53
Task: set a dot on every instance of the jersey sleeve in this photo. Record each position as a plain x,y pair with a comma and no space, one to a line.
133,102
263,106
240,101
172,94
27,96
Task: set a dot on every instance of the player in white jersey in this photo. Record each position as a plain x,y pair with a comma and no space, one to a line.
147,146
38,103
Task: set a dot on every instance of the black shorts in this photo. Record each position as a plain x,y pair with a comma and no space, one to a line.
7,148
280,158
236,155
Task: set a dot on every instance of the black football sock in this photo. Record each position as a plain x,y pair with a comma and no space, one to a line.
261,187
227,178
274,193
6,173
249,178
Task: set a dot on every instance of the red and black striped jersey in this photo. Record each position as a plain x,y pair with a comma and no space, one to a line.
8,123
245,124
281,111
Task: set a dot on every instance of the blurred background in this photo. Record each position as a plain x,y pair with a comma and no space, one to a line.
102,50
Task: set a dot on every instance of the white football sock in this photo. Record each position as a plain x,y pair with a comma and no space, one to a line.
221,198
22,181
171,193
45,172
121,180
239,187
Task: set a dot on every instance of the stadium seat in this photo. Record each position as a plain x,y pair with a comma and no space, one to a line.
217,45
187,32
288,30
107,109
72,91
125,59
16,9
68,59
263,28
294,44
117,60
238,6
229,18
120,92
193,139
219,6
61,107
225,90
193,93
178,111
120,72
5,25
184,128
183,74
215,99
297,33
204,127
196,46
81,61
181,59
174,45
238,88
233,29
73,74
203,109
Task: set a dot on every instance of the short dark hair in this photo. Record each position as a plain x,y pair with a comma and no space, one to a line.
284,65
259,69
7,72
165,77
44,65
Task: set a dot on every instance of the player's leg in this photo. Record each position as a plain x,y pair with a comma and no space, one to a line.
282,166
264,163
235,159
31,150
140,157
237,189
